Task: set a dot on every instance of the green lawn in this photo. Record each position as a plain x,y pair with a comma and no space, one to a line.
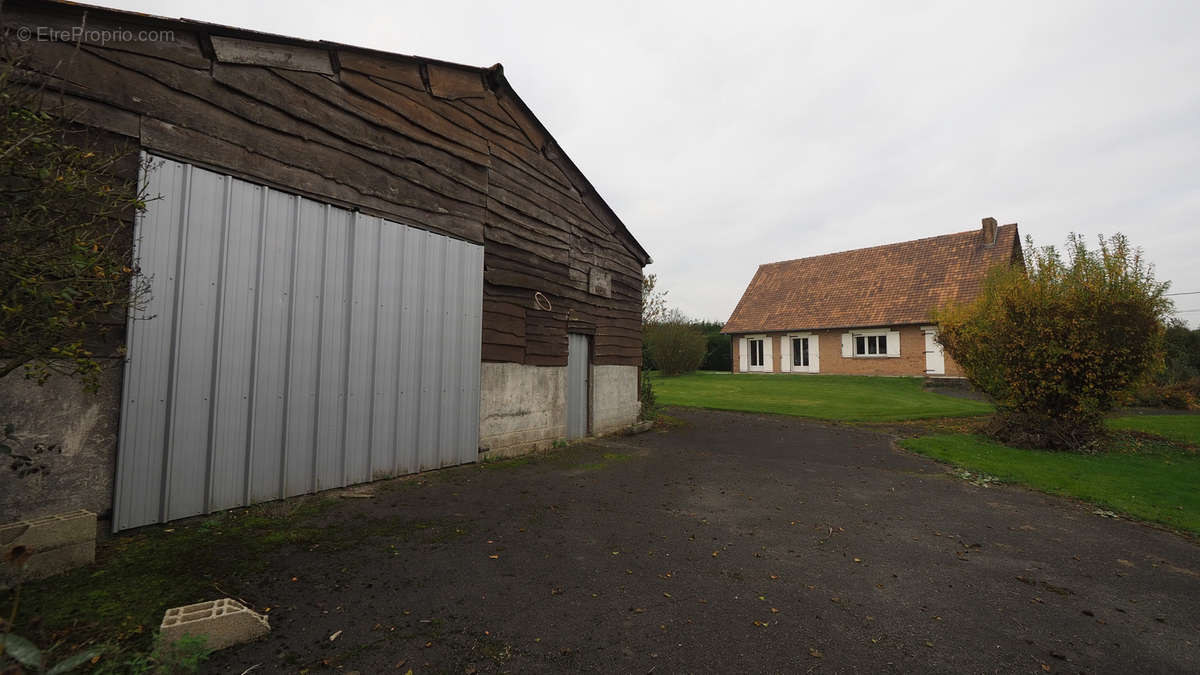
831,397
1150,480
1185,428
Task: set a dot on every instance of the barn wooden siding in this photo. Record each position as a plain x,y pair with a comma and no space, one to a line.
436,145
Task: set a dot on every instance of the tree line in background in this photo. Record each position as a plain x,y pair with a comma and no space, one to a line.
1178,385
673,343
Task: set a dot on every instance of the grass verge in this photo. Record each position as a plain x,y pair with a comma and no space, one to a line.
1184,428
833,397
1149,479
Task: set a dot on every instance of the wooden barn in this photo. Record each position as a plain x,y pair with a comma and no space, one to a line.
362,264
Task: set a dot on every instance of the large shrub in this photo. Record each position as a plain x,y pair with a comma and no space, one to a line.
675,346
1059,343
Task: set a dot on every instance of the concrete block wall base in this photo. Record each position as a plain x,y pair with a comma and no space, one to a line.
518,450
221,623
42,547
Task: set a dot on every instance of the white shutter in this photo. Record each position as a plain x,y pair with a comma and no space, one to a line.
893,343
847,346
785,354
768,364
814,354
743,357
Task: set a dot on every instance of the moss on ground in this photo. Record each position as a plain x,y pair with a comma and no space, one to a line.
119,601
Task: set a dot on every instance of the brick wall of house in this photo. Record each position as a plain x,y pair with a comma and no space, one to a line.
910,362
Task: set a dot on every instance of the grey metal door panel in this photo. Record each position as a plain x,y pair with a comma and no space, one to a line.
289,346
577,385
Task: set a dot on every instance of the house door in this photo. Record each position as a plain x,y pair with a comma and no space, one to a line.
935,358
577,385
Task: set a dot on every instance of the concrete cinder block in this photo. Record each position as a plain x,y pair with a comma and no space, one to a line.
221,623
43,547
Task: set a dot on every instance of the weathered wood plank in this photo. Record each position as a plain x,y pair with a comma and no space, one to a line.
157,135
377,113
498,353
556,254
328,121
527,126
417,113
451,111
521,173
498,337
271,55
398,69
532,163
157,100
494,126
271,89
100,30
80,110
454,83
514,194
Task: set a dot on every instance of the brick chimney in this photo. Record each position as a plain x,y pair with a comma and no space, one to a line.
989,231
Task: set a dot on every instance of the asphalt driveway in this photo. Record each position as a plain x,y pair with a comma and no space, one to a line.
736,543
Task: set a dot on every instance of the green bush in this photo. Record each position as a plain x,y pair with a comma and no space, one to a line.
676,347
1059,342
1177,395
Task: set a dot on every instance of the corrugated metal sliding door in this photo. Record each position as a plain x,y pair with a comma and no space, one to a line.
289,346
577,385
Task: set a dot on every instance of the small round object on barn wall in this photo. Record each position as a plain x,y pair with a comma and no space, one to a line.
542,302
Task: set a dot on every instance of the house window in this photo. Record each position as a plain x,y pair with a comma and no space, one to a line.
800,352
870,345
756,353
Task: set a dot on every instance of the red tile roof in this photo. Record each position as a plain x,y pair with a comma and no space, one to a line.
887,285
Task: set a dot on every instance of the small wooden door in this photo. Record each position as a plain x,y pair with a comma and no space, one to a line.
578,361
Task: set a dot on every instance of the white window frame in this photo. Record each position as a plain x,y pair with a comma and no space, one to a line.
892,346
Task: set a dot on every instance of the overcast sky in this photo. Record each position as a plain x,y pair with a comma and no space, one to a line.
727,135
